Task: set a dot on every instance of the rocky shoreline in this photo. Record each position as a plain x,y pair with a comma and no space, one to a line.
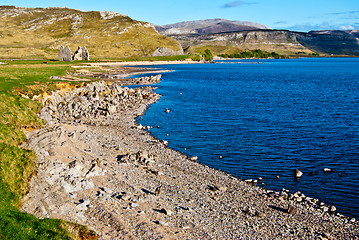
98,167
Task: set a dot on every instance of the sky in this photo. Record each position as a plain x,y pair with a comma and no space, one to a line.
296,15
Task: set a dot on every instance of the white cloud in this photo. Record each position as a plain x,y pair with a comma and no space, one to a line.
349,27
306,27
237,4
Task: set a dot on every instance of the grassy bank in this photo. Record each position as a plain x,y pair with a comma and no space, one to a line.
16,162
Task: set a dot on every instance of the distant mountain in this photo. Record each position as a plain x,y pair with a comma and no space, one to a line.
208,26
39,33
281,41
331,41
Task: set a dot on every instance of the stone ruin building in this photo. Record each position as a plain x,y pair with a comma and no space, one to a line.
80,54
65,54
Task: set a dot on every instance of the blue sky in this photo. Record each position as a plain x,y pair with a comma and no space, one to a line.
298,15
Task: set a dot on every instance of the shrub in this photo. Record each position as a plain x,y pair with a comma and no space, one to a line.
207,55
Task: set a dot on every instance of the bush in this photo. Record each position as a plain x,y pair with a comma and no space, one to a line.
252,54
196,58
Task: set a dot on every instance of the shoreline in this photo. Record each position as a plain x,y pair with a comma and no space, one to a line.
144,63
119,180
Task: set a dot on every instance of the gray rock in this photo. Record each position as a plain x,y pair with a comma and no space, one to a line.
222,188
326,235
56,77
333,209
166,211
297,173
292,210
158,190
164,51
126,197
325,208
250,211
134,205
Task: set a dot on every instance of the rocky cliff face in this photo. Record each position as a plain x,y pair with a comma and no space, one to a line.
329,42
40,32
270,40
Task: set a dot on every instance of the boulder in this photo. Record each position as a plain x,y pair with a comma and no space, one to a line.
297,173
291,210
164,51
333,209
158,190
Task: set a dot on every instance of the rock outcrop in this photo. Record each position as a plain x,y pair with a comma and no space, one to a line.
93,103
331,42
164,51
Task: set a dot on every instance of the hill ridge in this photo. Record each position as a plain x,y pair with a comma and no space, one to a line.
30,32
208,26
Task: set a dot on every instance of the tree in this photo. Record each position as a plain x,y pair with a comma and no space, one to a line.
207,55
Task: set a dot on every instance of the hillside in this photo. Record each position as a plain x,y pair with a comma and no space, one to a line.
282,41
331,42
39,33
208,26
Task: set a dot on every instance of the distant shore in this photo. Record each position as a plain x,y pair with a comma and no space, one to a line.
137,63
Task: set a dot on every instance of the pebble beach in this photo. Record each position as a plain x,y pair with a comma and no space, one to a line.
98,167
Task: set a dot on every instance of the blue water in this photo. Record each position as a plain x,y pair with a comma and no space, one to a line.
267,119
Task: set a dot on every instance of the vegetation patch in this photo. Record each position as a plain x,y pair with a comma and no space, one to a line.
253,54
207,55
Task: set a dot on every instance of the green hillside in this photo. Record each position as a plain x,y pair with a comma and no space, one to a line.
39,32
